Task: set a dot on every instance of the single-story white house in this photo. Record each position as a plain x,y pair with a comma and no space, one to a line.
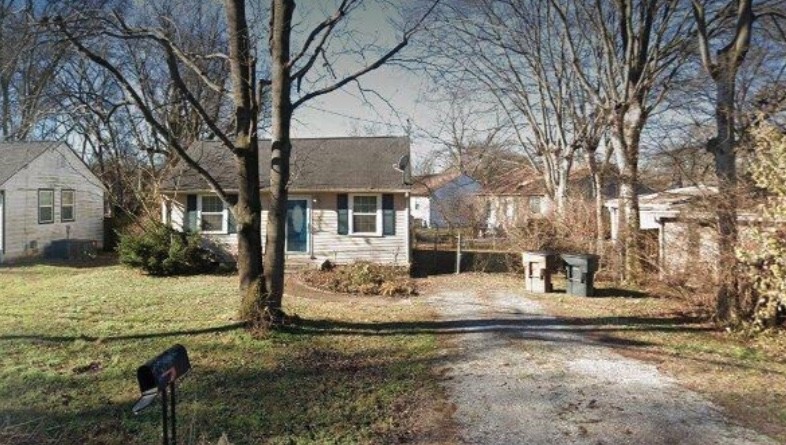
685,232
348,199
47,194
446,199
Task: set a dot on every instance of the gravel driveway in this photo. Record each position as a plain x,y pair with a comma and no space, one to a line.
518,376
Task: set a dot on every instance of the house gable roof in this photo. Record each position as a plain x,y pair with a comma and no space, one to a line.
345,163
426,185
14,156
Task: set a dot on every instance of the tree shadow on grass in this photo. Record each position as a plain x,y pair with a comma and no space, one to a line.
598,331
112,338
526,323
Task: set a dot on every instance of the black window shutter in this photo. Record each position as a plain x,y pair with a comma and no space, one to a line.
231,222
191,214
342,205
388,215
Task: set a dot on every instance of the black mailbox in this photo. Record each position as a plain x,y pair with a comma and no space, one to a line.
164,369
158,376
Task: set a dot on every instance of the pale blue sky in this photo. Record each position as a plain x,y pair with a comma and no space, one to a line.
346,112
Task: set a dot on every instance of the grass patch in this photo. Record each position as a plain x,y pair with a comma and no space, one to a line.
73,337
746,375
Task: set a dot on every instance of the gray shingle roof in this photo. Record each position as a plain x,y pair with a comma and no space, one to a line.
350,163
16,155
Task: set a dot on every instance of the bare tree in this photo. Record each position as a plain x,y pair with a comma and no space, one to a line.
723,69
626,55
28,67
513,51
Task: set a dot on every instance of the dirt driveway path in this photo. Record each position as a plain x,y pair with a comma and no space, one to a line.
518,376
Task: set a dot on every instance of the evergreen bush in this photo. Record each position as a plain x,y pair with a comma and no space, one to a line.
162,251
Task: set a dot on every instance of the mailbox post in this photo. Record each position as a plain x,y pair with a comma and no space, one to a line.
158,376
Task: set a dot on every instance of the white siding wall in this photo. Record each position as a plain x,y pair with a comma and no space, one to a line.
689,247
420,206
56,169
327,243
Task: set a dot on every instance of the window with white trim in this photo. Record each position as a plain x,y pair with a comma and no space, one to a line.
365,215
67,204
46,206
213,217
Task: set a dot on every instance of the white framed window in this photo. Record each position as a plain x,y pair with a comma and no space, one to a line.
46,206
213,215
365,214
67,204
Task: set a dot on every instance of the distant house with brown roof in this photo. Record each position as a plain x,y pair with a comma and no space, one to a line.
520,195
446,199
348,201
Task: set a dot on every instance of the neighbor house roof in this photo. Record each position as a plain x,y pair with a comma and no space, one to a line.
14,156
344,163
670,200
525,181
519,181
426,184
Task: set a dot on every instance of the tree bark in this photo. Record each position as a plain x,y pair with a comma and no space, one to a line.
722,147
626,136
723,72
597,190
562,186
247,210
281,29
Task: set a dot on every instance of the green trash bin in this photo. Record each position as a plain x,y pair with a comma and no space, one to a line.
580,273
538,267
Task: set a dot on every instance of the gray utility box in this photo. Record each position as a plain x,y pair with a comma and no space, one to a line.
538,267
580,273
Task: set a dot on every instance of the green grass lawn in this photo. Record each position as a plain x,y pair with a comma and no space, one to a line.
72,338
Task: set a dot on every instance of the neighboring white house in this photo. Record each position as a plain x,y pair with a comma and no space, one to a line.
348,201
685,235
46,194
444,199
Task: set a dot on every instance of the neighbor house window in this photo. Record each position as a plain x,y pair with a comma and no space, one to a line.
213,214
46,206
534,204
67,200
365,211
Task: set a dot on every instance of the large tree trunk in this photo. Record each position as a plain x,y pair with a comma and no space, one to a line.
248,207
722,147
281,28
626,137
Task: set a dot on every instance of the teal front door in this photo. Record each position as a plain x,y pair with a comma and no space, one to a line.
297,225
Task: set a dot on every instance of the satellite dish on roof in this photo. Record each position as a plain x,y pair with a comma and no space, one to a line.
403,167
402,164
